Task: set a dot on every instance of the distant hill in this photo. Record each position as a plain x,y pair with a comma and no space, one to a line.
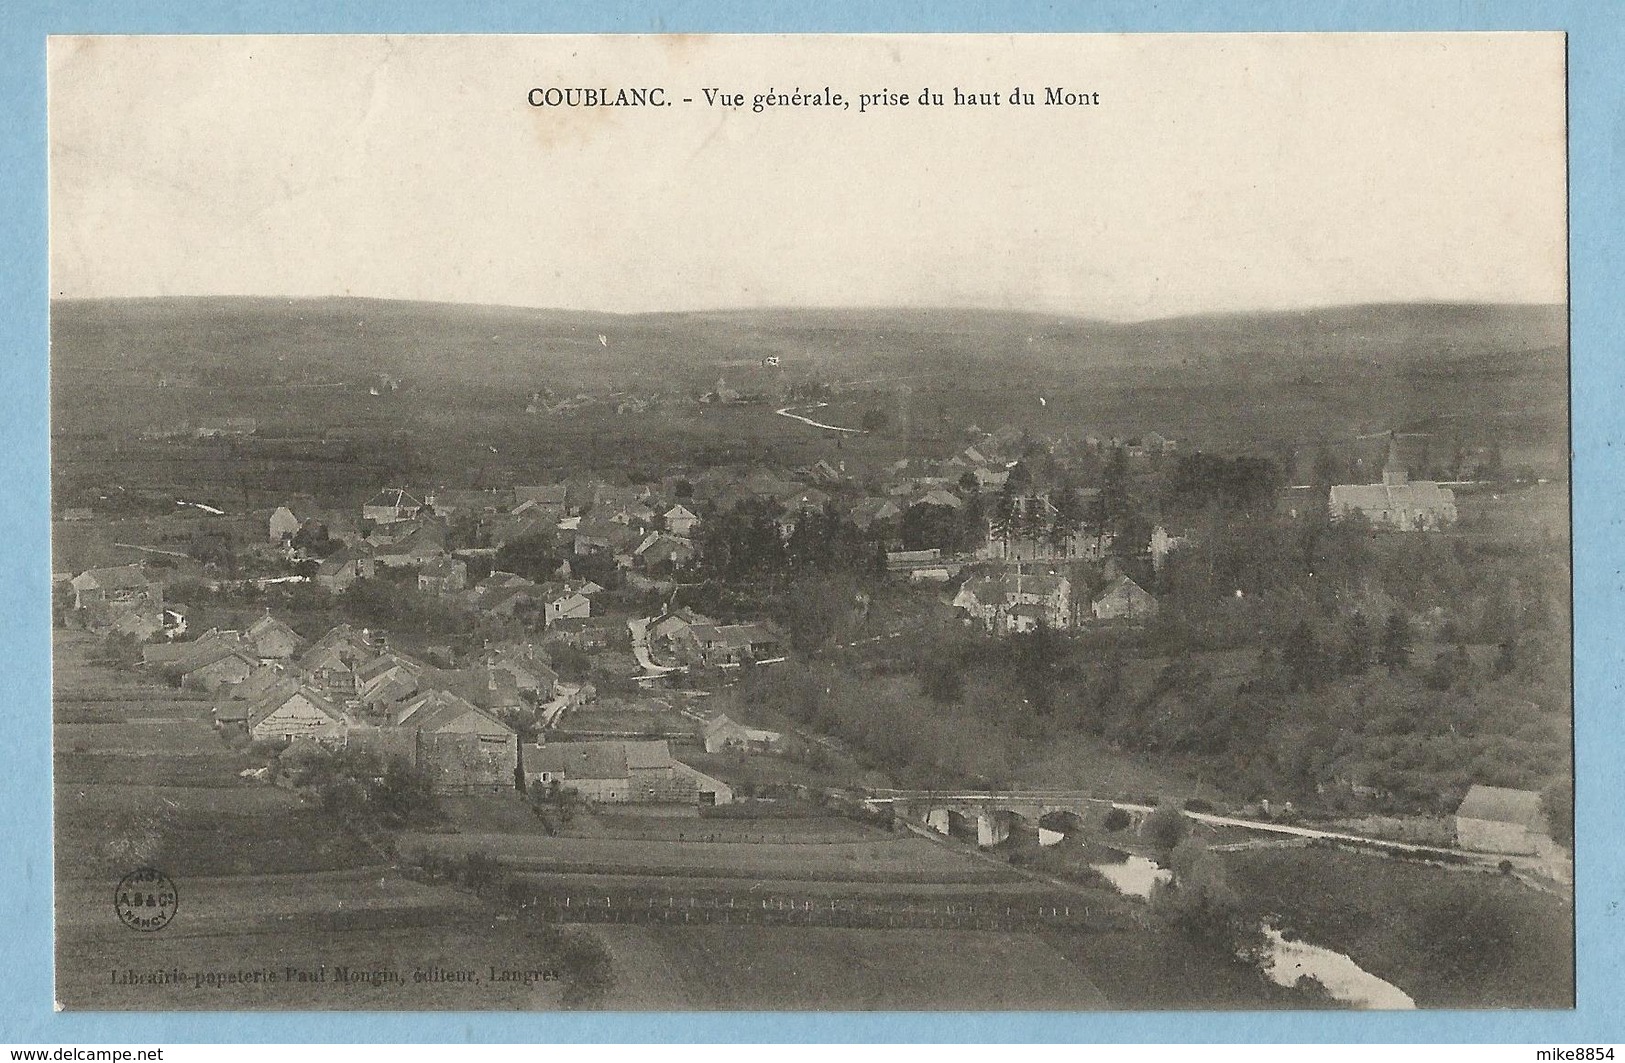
252,340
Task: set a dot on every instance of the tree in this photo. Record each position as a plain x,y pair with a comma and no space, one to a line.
1356,655
943,682
1395,651
1557,802
535,556
1165,828
875,419
1302,659
1205,908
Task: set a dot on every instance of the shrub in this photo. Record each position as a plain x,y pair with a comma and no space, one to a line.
1116,820
1165,828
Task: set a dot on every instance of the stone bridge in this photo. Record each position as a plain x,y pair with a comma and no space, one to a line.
992,816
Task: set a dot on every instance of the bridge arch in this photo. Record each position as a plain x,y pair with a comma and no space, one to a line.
1058,824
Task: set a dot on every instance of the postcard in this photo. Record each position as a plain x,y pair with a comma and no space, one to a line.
663,523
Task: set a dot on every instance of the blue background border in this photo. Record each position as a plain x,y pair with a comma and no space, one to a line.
1597,138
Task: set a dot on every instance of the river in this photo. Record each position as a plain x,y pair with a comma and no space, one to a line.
1344,979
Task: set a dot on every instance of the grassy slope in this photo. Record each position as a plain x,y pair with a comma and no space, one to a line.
1386,915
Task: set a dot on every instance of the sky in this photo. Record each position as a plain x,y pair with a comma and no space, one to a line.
1216,173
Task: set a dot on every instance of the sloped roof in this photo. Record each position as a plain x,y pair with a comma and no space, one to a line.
394,498
1417,494
213,653
438,710
115,578
281,693
1498,804
1121,585
579,760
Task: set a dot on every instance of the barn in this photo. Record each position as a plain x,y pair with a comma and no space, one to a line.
1495,819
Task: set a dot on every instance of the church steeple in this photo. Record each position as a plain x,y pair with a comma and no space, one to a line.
1393,473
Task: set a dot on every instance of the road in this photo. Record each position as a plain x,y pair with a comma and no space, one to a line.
787,412
640,650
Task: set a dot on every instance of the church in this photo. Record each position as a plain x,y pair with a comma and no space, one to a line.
1399,502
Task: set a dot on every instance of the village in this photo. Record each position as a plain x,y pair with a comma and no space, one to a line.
544,582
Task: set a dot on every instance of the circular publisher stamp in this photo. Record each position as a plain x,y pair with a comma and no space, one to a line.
145,900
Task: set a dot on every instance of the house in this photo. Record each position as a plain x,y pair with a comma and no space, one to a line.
667,628
990,479
1016,603
680,520
443,575
173,621
332,662
258,684
722,733
123,585
663,553
271,639
463,749
476,503
560,601
1494,819
588,633
337,572
283,525
292,710
871,511
391,506
1398,503
938,497
727,645
633,514
214,666
622,772
524,668
388,680
162,656
409,544
1123,599
134,621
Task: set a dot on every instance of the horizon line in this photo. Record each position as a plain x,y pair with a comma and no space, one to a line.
830,307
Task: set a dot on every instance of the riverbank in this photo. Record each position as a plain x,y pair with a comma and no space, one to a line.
1449,938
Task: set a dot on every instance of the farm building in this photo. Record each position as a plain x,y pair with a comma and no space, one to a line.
1494,819
122,585
622,773
727,645
342,569
722,733
292,710
466,749
1123,599
680,520
215,666
282,525
272,639
443,575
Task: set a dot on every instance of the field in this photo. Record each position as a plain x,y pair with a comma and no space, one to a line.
1449,938
302,369
769,968
264,882
898,859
